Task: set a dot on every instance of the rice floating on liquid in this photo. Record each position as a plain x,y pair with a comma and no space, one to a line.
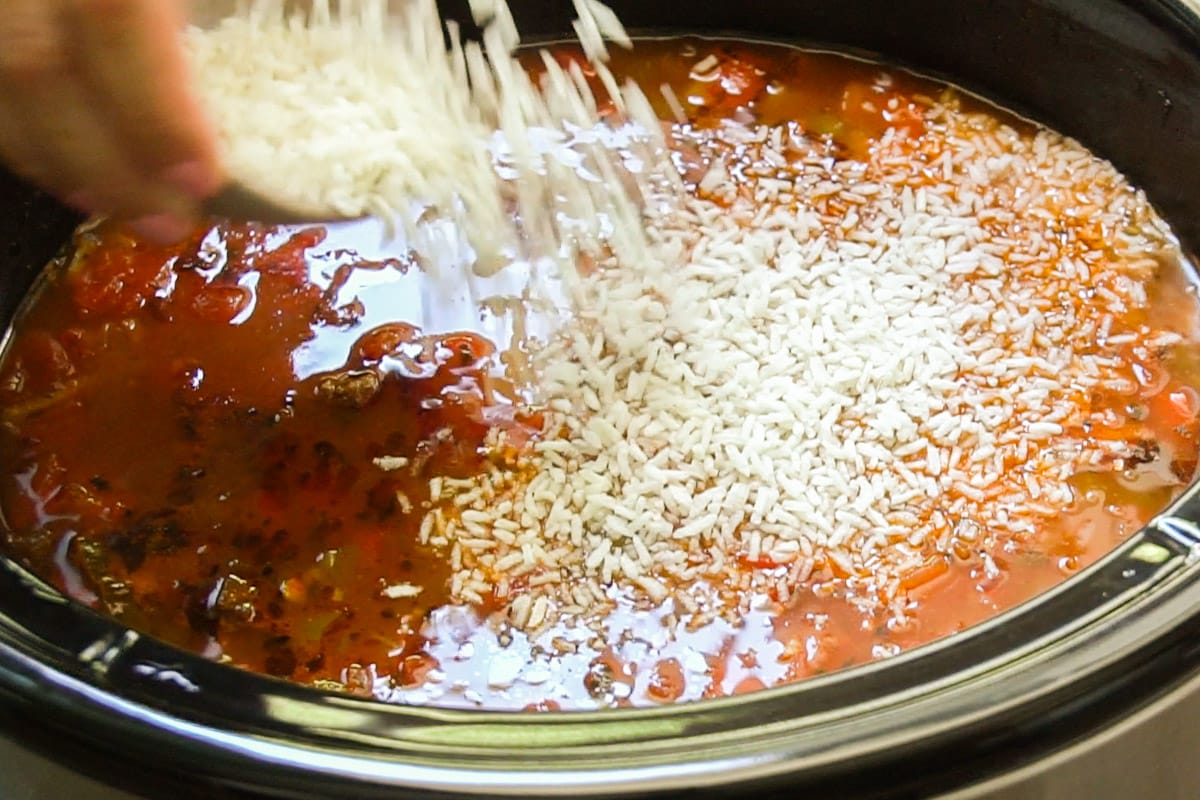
858,367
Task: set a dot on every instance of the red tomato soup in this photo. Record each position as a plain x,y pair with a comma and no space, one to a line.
273,447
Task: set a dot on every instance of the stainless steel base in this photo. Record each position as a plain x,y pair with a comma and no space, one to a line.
1151,755
26,776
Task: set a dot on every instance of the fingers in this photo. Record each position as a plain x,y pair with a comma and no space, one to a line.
50,136
33,56
131,58
95,107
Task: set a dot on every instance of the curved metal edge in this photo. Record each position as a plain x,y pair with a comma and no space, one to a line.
694,748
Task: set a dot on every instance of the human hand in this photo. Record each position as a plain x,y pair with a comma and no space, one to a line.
95,108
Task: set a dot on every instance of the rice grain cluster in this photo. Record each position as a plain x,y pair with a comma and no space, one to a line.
358,108
823,368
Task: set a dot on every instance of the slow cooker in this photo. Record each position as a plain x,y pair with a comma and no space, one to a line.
1092,690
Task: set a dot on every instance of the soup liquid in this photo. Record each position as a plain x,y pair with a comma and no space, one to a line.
190,433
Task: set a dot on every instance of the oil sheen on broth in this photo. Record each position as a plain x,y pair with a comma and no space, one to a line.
229,443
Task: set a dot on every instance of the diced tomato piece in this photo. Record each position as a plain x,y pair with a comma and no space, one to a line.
116,280
735,83
221,304
909,119
292,590
75,342
1174,423
741,80
45,361
466,349
543,705
764,561
747,685
667,682
290,259
933,567
48,478
208,302
868,110
718,664
416,668
1173,407
385,340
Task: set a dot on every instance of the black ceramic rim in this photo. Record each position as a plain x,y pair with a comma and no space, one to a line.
91,692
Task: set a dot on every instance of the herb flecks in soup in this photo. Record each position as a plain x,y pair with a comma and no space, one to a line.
895,363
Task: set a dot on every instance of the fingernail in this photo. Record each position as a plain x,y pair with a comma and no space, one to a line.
193,178
160,228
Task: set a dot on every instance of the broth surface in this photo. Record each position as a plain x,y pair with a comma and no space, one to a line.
199,440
